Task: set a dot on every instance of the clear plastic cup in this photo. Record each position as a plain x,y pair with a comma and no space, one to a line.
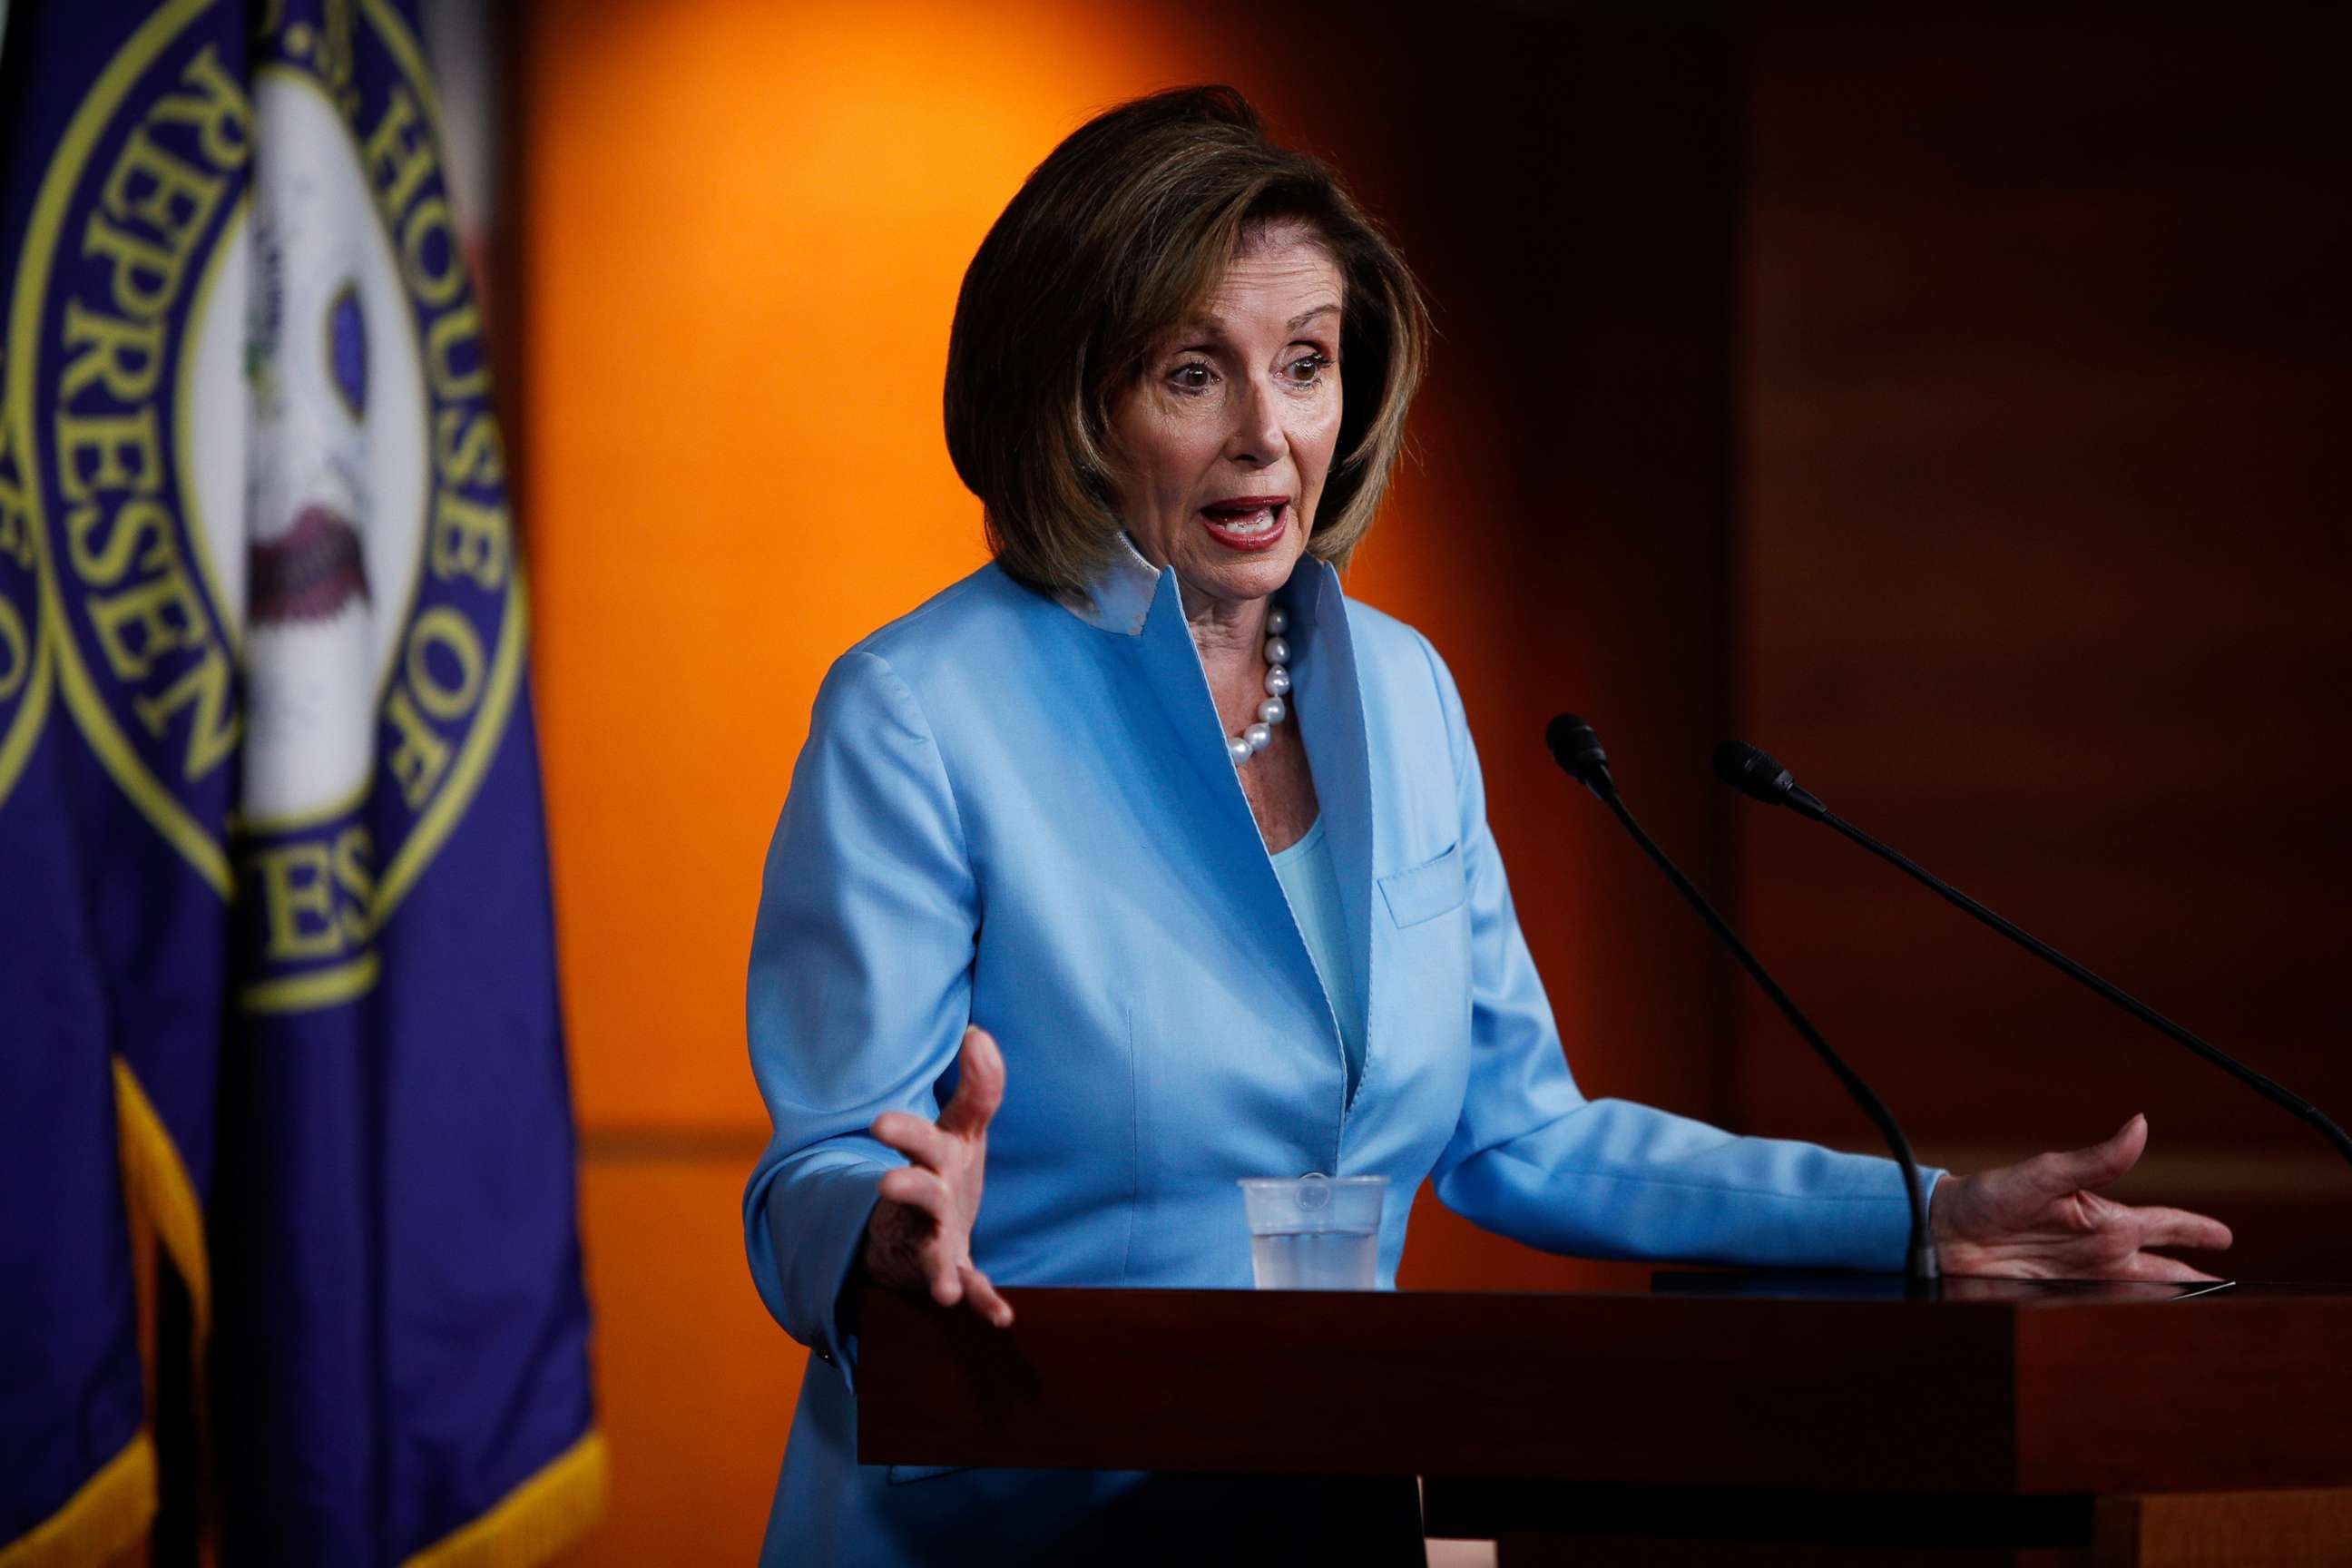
1315,1232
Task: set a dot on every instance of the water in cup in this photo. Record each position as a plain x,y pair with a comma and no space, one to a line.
1315,1232
1316,1259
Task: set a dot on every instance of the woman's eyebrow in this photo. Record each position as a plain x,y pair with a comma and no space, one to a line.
1303,317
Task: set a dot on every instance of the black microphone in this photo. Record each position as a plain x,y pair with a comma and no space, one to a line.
1755,772
1577,750
1758,775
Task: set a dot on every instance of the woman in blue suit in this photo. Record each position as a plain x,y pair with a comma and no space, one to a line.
1204,843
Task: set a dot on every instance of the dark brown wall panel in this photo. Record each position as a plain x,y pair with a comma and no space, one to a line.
2043,563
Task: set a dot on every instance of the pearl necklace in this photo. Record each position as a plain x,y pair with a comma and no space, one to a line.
1260,735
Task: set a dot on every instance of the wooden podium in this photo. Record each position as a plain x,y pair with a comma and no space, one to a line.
2005,1423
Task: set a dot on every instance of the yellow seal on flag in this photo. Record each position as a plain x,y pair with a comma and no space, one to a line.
250,427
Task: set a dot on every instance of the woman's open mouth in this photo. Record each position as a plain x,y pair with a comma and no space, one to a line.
1248,523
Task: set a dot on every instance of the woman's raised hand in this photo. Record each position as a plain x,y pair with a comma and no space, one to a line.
919,1237
2039,1219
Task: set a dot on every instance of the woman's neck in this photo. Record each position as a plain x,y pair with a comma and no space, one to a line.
1230,634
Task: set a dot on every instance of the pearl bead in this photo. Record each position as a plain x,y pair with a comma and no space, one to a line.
1271,711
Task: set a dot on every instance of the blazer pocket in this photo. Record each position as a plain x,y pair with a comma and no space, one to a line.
1427,891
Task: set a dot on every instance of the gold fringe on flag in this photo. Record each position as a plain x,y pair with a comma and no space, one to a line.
103,1520
156,1186
533,1522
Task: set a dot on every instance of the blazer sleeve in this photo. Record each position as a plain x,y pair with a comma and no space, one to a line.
860,983
1533,1160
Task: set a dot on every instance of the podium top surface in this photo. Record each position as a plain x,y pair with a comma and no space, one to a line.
1795,1285
1786,1382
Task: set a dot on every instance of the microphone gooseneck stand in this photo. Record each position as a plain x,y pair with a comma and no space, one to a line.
1577,749
1758,775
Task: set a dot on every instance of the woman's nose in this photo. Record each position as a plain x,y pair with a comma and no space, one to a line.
1257,439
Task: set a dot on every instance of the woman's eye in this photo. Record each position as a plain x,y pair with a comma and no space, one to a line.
1309,367
1192,377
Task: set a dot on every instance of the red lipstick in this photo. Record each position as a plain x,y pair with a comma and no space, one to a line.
1248,524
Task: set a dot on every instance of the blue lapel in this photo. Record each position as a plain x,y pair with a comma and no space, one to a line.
1139,601
1330,711
1173,670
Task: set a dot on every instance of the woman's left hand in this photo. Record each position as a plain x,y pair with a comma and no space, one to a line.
2041,1219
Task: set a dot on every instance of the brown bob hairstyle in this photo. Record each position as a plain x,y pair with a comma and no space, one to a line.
1114,240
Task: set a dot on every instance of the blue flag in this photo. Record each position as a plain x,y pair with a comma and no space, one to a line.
111,943
294,803
77,1471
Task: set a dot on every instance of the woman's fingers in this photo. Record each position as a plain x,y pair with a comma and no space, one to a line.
2044,1217
980,1086
2166,1271
926,1254
917,1189
984,1299
943,1182
2085,1170
916,1139
2180,1227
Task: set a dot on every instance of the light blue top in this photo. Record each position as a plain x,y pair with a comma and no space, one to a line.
1019,810
1311,883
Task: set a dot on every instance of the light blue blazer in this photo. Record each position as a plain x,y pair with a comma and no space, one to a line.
1018,811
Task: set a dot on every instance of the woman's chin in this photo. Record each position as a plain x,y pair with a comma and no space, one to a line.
1236,584
1211,568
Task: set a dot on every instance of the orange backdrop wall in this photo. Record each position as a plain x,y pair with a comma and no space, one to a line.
742,228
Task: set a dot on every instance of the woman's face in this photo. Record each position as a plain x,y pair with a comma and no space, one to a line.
1224,437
